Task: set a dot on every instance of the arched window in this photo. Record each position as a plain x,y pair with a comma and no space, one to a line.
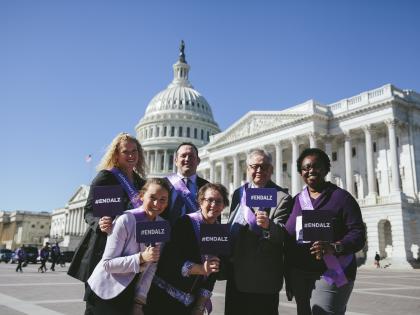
188,132
195,133
180,131
202,134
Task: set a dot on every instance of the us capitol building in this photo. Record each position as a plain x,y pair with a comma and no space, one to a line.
373,140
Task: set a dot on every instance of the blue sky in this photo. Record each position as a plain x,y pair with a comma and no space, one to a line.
75,73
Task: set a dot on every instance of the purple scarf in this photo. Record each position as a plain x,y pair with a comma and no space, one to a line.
129,188
335,265
183,191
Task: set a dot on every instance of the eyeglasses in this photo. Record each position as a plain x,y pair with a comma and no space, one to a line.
216,202
308,167
263,167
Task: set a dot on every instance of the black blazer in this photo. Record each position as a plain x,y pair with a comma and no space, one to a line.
257,263
173,211
92,245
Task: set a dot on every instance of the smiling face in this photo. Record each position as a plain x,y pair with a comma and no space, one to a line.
155,199
313,171
187,160
127,156
211,205
259,170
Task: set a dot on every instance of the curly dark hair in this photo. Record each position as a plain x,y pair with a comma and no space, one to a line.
321,155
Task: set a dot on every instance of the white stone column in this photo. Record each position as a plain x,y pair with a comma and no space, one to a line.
395,187
223,171
173,162
165,161
328,150
212,171
347,157
295,176
236,177
76,230
148,159
312,140
369,162
279,164
156,163
66,224
72,218
81,230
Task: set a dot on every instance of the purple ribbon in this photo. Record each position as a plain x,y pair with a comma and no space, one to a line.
334,273
129,188
248,214
139,214
184,192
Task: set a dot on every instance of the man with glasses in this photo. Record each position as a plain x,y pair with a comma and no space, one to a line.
185,183
255,274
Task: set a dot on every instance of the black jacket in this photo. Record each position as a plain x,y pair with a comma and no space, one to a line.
91,248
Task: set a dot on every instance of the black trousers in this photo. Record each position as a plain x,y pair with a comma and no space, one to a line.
244,303
19,266
43,267
122,304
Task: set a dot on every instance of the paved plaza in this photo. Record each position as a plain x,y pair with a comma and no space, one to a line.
381,292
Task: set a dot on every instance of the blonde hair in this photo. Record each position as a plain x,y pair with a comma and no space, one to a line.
110,158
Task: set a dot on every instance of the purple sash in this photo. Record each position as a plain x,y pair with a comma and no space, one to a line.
334,273
248,215
183,191
129,188
139,214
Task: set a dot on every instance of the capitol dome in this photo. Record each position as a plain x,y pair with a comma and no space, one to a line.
175,115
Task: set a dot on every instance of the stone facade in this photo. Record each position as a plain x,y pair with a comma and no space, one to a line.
68,224
374,145
23,228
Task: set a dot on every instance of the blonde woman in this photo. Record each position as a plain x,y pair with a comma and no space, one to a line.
123,164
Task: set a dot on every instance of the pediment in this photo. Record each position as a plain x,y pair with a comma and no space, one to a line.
81,194
254,123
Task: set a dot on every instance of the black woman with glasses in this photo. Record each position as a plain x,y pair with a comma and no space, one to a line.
184,279
255,271
322,272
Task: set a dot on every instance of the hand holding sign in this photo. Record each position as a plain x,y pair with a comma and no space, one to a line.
105,224
320,248
150,254
262,219
211,265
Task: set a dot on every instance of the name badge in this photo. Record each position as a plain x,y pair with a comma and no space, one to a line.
261,197
153,232
317,225
214,239
108,201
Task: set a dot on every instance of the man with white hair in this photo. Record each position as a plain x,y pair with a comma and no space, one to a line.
255,272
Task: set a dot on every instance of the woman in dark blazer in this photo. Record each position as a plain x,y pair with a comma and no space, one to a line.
184,280
123,159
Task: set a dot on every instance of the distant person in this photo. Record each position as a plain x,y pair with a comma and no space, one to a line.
323,273
121,280
21,258
255,273
377,260
44,253
184,279
185,183
55,255
123,164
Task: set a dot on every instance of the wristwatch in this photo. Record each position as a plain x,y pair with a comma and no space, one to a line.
338,247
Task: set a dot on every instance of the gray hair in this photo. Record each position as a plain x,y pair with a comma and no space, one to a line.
259,152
